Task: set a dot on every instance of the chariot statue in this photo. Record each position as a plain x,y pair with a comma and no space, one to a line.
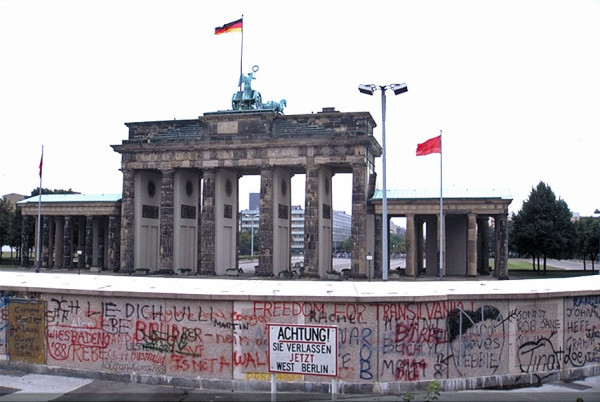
249,99
246,98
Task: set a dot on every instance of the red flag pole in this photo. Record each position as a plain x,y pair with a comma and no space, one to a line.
38,242
441,213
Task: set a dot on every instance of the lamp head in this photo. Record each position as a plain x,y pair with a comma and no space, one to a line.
399,88
368,89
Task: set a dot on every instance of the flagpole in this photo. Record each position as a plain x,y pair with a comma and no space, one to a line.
441,213
38,245
242,54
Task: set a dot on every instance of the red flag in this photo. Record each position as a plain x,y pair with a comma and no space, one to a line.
235,26
41,164
431,146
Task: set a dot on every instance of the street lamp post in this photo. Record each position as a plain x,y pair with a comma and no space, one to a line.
370,89
252,237
251,216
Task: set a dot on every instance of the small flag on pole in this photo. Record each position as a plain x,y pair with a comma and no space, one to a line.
41,162
235,26
431,146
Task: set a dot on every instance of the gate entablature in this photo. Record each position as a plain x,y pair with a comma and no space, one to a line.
253,124
250,140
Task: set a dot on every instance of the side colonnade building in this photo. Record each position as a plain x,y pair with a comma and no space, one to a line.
466,240
78,230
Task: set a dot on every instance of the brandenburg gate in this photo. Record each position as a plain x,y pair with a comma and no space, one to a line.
180,188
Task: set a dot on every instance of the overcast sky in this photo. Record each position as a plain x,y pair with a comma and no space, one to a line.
513,84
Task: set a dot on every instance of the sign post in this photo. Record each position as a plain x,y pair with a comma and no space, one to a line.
303,349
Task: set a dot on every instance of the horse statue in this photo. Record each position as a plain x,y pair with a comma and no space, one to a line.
275,106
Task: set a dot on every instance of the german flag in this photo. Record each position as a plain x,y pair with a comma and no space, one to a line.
235,26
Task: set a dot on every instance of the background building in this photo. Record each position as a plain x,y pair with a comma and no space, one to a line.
342,226
253,200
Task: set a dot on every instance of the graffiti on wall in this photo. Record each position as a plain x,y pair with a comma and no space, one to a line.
537,328
387,342
426,341
137,336
582,331
477,340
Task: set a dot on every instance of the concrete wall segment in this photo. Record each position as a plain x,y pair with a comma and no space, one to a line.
391,335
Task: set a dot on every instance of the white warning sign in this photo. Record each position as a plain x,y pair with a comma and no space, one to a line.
303,349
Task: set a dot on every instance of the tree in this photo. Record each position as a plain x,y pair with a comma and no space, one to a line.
587,239
6,221
543,227
346,245
36,191
245,241
397,243
17,229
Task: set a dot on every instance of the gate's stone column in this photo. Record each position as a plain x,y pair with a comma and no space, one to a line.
265,225
200,205
471,246
411,247
318,221
359,221
101,232
68,242
80,242
483,254
127,221
166,219
501,236
45,240
207,225
51,241
432,257
113,242
281,222
419,246
377,261
311,222
89,241
325,222
59,238
25,241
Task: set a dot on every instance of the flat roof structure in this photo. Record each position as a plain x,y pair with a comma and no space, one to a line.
73,204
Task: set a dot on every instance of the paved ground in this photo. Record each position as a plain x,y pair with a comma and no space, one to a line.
339,264
18,386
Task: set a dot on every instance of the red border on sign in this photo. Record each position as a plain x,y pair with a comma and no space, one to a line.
335,328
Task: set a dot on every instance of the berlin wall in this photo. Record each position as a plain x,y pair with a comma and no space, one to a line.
385,343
